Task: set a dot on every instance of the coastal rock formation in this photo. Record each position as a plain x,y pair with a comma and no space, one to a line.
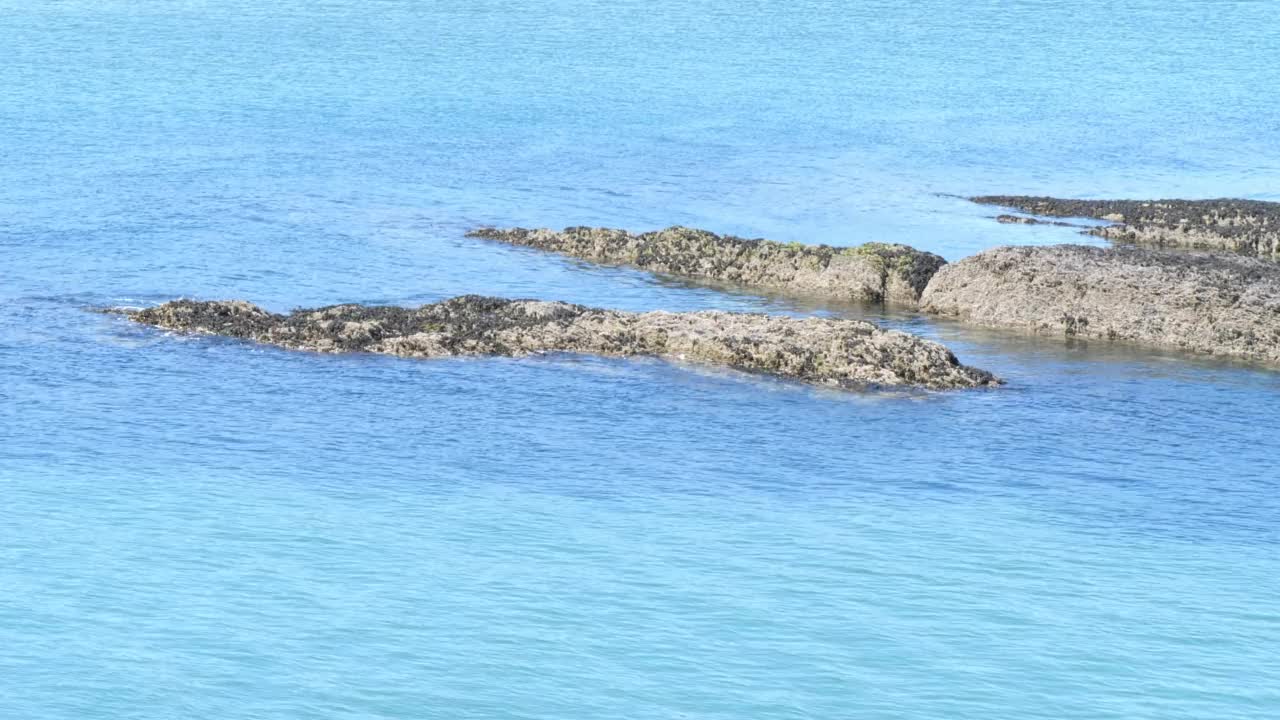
874,272
1245,226
1225,305
838,353
1024,220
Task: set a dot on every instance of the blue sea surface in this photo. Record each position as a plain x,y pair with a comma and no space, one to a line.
199,528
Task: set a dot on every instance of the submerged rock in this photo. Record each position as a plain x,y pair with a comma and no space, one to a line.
1024,220
1246,226
875,272
839,353
1225,305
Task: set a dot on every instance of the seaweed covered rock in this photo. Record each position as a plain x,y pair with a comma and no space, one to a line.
838,353
874,272
1225,305
1245,226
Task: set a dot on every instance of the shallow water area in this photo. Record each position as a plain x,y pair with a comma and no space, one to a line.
197,527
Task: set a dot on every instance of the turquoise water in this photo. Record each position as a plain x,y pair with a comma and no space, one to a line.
194,528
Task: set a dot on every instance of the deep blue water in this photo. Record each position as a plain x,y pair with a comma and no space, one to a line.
195,528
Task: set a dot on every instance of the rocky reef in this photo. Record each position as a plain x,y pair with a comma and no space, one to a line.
874,272
1243,226
837,353
1024,220
1225,305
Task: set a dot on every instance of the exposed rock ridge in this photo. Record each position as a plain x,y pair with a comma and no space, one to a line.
1245,226
874,272
838,353
1225,305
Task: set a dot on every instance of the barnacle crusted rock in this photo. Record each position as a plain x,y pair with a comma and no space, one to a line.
874,272
1246,226
1225,305
832,352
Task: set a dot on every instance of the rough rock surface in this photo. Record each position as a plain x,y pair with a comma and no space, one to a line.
1226,305
874,272
839,353
1246,226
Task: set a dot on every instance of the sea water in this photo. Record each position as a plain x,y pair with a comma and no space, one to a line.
197,528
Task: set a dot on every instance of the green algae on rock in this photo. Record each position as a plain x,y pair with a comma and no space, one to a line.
838,353
1244,226
1224,305
874,272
